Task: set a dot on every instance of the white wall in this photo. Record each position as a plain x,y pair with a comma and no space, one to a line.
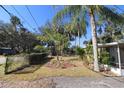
122,72
117,71
2,60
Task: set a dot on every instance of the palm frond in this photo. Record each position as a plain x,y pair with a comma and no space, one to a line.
109,14
67,11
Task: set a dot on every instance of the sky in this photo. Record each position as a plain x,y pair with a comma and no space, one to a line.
42,14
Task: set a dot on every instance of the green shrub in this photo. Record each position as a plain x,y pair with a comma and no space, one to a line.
40,49
37,58
105,58
18,62
89,54
80,52
89,49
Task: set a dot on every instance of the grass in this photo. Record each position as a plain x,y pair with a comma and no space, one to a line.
43,71
14,65
2,69
75,72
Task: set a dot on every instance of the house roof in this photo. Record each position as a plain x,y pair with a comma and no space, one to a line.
4,48
111,44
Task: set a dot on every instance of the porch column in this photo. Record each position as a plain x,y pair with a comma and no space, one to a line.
119,58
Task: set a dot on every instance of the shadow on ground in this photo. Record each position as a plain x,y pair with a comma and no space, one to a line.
28,68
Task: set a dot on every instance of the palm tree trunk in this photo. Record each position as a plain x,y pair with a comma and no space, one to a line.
57,53
78,39
94,40
57,57
61,51
58,60
14,27
75,41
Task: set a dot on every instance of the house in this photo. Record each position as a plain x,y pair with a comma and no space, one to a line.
116,51
4,50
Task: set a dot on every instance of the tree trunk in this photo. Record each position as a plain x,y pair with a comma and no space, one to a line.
6,66
58,61
79,41
57,57
75,41
61,51
94,39
14,28
57,53
78,38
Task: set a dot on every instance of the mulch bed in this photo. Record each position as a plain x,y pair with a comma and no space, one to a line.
67,65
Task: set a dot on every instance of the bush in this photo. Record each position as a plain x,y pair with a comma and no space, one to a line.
105,58
89,54
40,49
80,52
37,58
18,62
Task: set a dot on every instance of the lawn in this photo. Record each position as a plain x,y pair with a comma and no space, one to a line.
43,71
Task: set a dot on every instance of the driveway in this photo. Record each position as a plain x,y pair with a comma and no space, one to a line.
67,82
89,82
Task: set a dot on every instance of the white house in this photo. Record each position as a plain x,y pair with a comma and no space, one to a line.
116,50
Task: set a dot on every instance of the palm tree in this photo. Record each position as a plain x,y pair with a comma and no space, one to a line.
75,29
51,33
92,11
15,22
71,31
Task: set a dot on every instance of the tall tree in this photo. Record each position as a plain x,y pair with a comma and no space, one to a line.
112,33
21,41
93,12
51,34
15,22
71,31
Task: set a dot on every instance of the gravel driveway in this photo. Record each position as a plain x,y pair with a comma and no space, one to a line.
40,83
89,82
67,82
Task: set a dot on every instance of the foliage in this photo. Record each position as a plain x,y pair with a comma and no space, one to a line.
21,40
37,58
80,52
112,33
19,62
89,49
55,38
93,11
104,57
40,49
15,20
78,16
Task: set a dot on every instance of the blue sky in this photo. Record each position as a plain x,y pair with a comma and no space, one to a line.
42,14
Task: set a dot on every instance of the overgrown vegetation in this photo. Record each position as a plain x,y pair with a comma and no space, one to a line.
40,49
20,40
20,62
43,71
80,52
105,57
67,25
